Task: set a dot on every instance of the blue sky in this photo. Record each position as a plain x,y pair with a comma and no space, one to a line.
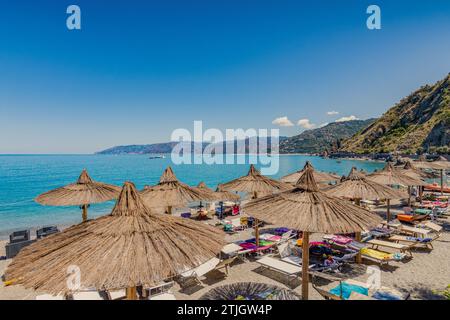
139,69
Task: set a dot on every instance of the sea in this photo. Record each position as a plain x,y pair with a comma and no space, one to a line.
24,177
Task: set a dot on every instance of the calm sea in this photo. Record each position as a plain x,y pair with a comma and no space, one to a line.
23,177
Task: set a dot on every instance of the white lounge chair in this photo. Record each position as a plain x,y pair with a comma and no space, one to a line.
163,296
49,297
288,269
190,277
86,295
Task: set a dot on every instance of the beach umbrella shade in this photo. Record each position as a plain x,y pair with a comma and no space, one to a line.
250,290
390,175
225,195
130,247
319,176
308,209
81,193
257,185
440,164
170,193
357,186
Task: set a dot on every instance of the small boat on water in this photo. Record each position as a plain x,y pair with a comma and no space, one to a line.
158,156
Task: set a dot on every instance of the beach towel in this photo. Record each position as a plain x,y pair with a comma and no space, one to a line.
386,295
341,240
380,255
347,289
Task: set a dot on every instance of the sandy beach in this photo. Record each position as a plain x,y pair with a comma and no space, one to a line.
421,276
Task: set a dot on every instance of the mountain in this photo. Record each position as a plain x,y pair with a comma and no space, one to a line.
327,138
240,146
420,122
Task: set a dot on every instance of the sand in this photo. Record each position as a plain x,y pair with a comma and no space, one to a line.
421,276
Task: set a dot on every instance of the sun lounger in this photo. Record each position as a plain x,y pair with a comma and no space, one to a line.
391,245
231,249
225,264
87,295
190,277
288,269
381,257
116,294
49,297
413,231
163,296
414,241
355,290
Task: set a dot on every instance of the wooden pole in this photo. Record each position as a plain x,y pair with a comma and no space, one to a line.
305,265
420,193
388,213
257,232
442,182
169,210
358,256
409,196
131,293
84,214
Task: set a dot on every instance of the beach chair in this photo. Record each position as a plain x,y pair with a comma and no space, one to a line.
285,268
115,294
49,297
415,242
163,296
391,245
225,264
190,278
381,257
413,231
160,292
355,290
86,295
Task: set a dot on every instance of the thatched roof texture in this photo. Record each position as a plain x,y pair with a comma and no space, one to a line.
306,208
132,246
390,175
357,186
84,191
318,175
255,183
170,192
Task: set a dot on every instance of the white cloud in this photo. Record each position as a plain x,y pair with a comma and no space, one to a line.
305,123
349,118
323,125
332,113
283,122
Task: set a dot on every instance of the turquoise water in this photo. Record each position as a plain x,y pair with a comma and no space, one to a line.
23,177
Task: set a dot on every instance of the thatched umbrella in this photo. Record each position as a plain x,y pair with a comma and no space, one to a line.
81,193
130,247
170,192
318,175
250,290
226,195
308,209
440,164
257,185
411,170
357,186
391,175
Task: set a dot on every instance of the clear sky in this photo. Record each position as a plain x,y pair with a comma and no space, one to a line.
139,69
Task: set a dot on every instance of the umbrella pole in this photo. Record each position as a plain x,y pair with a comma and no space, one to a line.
84,214
305,265
358,256
388,212
442,182
257,232
131,293
409,196
169,210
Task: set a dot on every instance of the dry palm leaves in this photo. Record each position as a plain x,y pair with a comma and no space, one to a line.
390,175
130,247
255,184
357,186
319,176
170,192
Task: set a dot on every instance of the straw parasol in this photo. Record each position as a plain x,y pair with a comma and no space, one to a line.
357,186
255,184
170,192
130,247
81,193
226,195
411,170
250,290
440,164
390,175
318,175
308,209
